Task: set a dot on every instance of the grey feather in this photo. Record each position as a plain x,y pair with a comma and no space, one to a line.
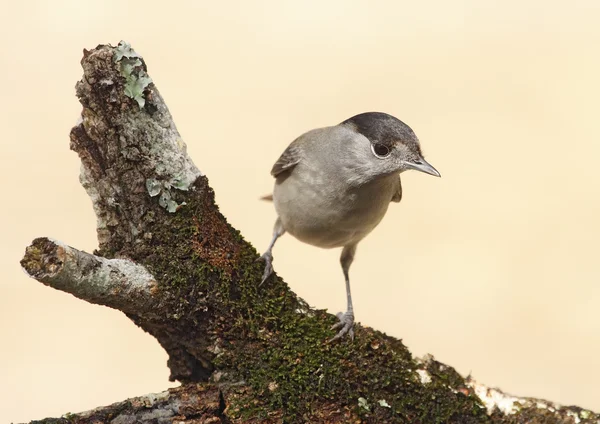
288,159
398,194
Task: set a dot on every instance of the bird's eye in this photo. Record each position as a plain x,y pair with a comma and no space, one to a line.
380,150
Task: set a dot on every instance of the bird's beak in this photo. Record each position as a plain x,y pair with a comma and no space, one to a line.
423,166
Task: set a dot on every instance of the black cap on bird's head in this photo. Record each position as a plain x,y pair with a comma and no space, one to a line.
391,138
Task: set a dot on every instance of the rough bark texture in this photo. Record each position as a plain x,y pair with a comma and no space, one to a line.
170,261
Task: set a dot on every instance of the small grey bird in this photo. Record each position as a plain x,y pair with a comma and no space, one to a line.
333,186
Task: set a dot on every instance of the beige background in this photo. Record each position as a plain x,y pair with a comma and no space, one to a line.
493,268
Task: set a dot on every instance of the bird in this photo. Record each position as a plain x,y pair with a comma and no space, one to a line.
333,186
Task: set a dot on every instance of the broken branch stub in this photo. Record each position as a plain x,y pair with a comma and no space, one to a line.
117,283
132,155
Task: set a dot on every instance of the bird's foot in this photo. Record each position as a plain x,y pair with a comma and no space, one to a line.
268,258
345,325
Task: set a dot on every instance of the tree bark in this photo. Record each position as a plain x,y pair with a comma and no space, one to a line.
170,261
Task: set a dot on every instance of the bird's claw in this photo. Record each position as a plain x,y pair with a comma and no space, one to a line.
346,325
268,258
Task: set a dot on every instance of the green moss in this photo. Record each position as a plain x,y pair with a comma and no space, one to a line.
211,275
32,259
39,256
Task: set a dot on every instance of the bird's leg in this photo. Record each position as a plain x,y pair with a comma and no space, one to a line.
278,231
346,323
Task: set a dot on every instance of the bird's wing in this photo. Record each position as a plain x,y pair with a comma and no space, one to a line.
288,159
398,194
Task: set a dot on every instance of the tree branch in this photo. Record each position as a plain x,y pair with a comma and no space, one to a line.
170,261
116,283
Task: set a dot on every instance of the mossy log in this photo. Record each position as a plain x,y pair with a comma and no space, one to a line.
244,353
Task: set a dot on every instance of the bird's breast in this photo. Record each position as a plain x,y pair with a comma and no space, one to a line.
324,211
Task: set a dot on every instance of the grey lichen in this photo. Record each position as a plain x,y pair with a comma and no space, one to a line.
383,403
154,187
132,69
169,204
165,200
364,404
